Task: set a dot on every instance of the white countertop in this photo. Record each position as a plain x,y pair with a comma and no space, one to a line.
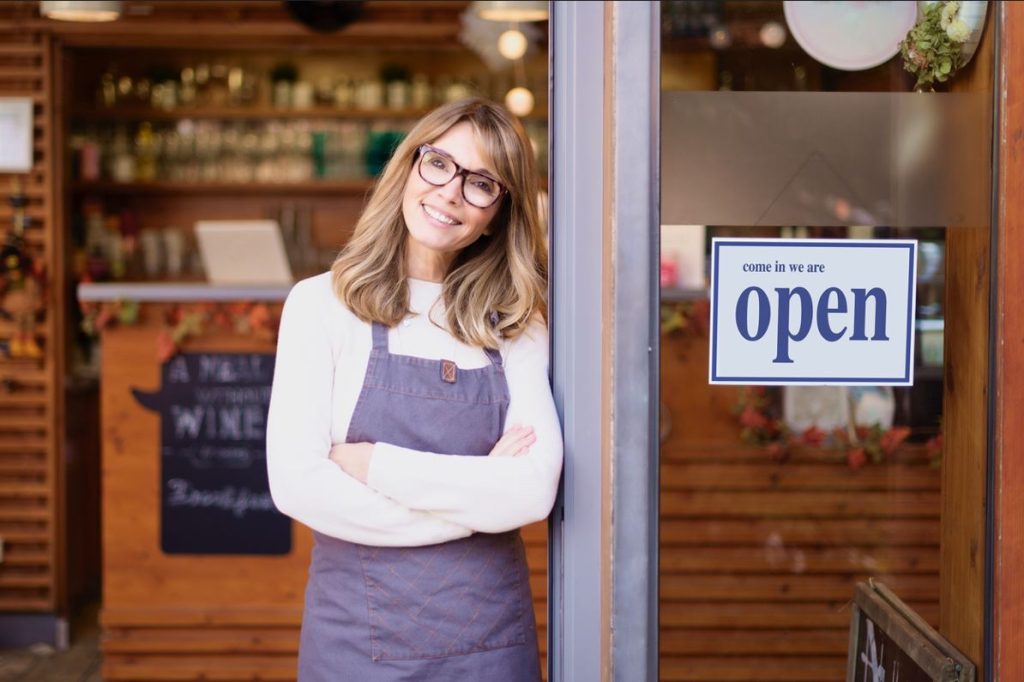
154,292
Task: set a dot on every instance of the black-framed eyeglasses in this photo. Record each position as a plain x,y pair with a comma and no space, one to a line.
438,168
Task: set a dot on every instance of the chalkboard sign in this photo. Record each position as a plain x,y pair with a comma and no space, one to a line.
214,493
889,642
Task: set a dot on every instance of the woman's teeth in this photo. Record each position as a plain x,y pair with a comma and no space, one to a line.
438,216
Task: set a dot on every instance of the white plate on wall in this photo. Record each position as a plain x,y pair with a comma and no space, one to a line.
850,36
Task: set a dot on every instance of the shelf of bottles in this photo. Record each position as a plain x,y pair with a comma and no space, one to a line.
220,129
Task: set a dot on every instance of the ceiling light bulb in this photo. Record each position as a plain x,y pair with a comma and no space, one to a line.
512,44
720,38
773,35
519,101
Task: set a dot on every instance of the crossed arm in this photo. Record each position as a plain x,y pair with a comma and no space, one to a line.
410,498
488,494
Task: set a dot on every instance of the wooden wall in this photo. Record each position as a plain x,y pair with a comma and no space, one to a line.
187,616
758,558
31,487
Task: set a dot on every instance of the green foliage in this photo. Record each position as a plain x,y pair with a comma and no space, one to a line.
928,51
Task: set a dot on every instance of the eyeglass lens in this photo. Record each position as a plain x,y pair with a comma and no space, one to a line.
478,190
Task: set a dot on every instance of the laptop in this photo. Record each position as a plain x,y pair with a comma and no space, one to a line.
243,252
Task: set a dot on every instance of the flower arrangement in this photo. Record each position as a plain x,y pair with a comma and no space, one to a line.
181,322
253,320
933,49
99,316
856,445
685,317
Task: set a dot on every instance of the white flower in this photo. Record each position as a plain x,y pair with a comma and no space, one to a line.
958,31
949,11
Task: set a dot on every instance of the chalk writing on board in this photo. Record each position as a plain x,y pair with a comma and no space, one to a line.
872,657
215,497
881,660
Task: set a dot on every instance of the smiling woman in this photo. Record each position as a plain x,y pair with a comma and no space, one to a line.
411,423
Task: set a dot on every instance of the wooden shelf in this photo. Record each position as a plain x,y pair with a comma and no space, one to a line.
251,113
673,294
168,188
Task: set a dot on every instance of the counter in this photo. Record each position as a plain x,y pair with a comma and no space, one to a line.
200,574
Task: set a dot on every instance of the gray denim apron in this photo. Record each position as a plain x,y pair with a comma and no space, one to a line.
454,611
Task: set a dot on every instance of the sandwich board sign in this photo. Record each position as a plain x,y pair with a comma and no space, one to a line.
890,642
831,312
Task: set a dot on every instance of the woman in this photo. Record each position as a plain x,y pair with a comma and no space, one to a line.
411,422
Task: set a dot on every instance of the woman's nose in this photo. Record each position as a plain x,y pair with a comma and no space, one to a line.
452,190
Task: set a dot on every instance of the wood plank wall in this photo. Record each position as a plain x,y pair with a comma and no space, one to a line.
759,559
30,397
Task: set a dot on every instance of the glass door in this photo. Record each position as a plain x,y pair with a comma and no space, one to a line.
777,500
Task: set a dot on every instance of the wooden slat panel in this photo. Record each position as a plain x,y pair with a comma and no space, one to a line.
733,642
769,616
800,532
797,561
10,49
24,513
19,74
732,669
24,490
198,667
23,443
801,505
190,617
16,580
22,398
786,588
10,421
675,451
804,477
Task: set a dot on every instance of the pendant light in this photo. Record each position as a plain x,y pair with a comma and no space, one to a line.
504,10
81,10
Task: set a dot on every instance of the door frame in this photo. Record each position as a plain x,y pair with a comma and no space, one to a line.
604,132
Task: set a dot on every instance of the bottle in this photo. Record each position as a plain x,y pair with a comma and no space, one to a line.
145,153
122,160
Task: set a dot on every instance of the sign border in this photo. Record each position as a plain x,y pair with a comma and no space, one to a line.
908,373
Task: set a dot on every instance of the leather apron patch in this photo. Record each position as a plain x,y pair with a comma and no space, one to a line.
449,371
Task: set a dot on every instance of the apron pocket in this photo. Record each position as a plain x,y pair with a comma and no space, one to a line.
455,598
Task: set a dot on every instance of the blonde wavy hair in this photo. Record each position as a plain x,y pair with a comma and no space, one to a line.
495,285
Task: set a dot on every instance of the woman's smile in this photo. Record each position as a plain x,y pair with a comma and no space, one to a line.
439,216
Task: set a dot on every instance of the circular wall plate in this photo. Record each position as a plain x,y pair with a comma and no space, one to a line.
851,36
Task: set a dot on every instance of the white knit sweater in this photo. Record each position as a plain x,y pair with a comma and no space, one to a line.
411,498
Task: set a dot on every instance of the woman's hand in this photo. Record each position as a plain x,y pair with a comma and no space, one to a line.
516,441
353,458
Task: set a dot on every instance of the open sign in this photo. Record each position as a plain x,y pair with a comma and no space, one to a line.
819,311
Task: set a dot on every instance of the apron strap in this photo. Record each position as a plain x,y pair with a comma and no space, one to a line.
494,356
380,337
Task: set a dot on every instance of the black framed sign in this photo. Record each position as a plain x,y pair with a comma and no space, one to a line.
889,642
214,493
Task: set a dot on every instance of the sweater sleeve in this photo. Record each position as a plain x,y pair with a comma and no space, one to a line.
487,494
304,483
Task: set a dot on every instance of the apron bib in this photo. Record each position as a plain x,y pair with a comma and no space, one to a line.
459,610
